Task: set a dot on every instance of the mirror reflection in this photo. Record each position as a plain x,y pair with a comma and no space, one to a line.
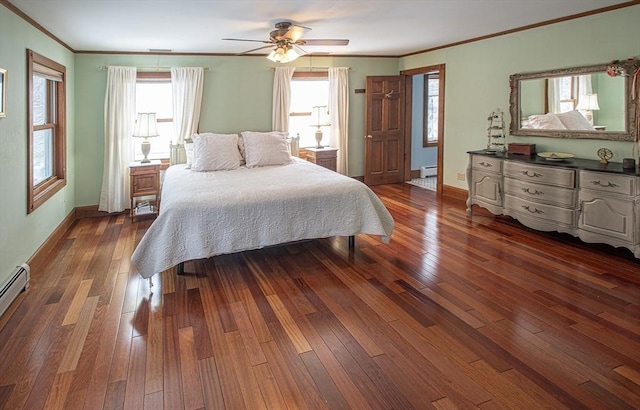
589,102
577,102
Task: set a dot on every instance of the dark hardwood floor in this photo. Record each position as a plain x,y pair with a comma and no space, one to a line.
456,312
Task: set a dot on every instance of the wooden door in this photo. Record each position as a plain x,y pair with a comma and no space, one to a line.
384,130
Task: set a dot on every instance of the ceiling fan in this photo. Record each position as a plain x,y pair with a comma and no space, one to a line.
286,41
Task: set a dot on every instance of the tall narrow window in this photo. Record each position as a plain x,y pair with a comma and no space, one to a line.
308,90
46,129
431,109
153,94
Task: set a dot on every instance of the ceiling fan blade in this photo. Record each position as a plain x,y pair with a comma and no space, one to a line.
326,42
301,51
242,39
255,49
295,33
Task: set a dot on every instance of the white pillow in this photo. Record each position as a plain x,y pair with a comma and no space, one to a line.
266,148
188,149
545,122
573,120
215,152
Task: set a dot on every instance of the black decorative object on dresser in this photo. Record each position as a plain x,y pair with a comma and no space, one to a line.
596,202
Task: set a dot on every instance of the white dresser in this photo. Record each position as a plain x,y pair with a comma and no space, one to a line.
595,202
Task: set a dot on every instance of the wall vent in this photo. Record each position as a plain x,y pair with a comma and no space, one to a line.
11,288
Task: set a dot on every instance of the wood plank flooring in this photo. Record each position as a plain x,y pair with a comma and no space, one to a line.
457,311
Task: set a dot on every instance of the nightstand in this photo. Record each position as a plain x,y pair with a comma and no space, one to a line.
325,157
144,189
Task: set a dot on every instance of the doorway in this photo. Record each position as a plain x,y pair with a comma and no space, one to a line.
424,126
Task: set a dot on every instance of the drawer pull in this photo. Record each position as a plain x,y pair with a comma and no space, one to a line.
486,164
533,211
535,192
532,175
608,185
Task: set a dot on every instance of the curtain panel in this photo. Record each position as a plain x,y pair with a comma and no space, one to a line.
281,98
339,115
119,118
186,87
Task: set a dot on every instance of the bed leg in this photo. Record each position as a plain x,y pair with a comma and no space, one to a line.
181,268
352,241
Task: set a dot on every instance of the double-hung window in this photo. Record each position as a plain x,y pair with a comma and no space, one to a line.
431,109
153,94
308,90
46,118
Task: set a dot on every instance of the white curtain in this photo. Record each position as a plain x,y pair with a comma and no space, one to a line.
119,118
554,95
339,114
584,85
186,87
281,98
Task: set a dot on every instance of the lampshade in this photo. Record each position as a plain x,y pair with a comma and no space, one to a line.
321,116
145,125
588,102
283,54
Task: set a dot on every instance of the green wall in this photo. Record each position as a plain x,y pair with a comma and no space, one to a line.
237,97
21,234
477,79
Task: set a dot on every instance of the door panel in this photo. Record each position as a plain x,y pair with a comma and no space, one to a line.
384,141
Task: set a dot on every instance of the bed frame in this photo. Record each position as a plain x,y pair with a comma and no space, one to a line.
178,155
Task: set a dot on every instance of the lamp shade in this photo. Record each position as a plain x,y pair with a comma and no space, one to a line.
588,102
145,125
283,54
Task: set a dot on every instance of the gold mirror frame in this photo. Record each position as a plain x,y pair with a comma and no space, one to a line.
627,67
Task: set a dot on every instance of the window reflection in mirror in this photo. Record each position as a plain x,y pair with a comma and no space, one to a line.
597,97
576,102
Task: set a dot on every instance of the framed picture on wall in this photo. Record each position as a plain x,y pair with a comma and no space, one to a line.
3,92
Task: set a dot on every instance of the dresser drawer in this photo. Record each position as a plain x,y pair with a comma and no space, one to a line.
548,175
540,211
487,164
547,194
607,182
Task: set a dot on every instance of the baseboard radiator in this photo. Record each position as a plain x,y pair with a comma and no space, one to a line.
428,171
11,288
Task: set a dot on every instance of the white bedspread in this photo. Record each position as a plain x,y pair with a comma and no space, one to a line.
203,214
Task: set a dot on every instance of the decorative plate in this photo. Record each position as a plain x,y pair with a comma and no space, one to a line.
555,156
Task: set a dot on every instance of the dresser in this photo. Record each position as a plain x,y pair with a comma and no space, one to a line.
596,202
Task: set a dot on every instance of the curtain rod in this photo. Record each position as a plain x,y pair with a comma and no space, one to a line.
310,68
157,68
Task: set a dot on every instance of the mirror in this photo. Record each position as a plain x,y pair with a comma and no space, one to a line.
580,102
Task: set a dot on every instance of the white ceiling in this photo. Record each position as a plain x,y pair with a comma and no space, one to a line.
374,27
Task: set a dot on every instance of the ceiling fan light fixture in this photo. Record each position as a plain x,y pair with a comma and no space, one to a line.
283,55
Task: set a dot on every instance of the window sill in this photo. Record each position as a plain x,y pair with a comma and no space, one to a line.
35,200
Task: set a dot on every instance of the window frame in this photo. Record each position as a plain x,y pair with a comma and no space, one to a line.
56,121
155,77
308,76
426,142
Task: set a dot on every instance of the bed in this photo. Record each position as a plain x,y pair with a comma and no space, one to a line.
570,120
209,213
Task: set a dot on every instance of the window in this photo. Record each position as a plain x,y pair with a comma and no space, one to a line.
46,129
568,93
153,94
308,90
431,107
